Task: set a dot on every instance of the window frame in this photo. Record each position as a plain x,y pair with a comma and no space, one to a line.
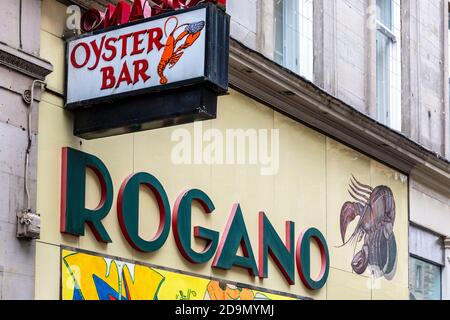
441,269
297,45
390,112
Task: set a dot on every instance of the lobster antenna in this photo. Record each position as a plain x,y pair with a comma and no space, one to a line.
180,26
356,198
364,186
363,196
165,24
360,189
367,189
356,243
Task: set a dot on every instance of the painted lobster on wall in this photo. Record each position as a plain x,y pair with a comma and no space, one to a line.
375,208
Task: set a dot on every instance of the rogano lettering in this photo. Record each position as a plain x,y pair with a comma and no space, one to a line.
222,248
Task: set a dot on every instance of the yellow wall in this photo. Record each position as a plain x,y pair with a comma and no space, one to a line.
309,189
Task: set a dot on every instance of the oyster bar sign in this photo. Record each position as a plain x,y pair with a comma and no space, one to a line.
134,57
222,250
140,63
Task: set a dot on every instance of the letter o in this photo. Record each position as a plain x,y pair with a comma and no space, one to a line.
303,258
73,58
128,212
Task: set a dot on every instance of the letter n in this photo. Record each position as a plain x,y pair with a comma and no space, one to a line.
270,243
74,214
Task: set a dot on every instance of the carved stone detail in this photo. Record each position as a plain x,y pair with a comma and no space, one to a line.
25,63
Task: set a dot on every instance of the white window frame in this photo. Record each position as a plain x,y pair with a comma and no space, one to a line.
393,116
297,51
448,62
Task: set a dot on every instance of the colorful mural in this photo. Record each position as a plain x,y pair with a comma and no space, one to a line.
375,208
93,277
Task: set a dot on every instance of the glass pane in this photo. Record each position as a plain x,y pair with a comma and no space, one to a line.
424,280
278,16
383,76
449,39
384,12
287,34
448,114
291,35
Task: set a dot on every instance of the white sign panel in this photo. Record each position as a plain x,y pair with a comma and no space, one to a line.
140,56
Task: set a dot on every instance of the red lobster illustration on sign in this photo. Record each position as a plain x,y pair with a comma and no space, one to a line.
375,208
172,54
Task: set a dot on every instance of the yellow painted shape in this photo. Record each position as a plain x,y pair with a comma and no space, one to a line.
78,270
83,267
146,283
182,287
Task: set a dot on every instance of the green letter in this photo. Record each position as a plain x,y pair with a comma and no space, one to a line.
303,257
182,224
73,189
128,212
235,235
270,243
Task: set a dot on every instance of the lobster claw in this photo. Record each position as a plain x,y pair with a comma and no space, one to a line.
349,212
361,260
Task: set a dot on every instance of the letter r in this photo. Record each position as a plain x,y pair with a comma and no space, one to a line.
74,214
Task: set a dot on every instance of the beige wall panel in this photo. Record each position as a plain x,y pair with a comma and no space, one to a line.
53,17
297,192
343,285
54,132
53,50
52,99
46,288
116,153
300,187
398,183
342,163
242,183
152,154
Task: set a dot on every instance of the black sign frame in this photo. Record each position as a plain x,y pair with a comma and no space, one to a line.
216,57
163,105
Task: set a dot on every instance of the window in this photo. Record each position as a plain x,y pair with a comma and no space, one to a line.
424,280
294,35
425,264
388,63
448,114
